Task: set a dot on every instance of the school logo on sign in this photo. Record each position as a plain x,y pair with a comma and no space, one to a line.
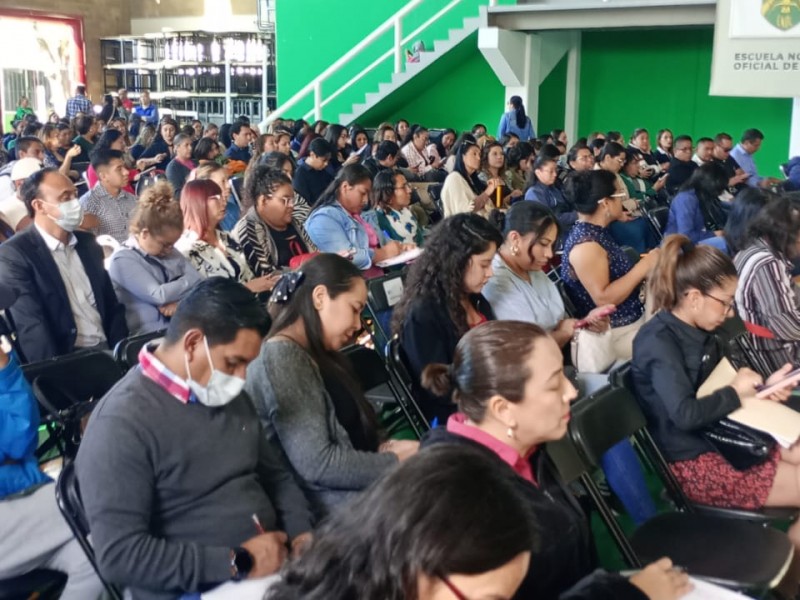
783,14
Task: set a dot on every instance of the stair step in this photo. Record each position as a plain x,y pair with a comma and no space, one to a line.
472,22
372,97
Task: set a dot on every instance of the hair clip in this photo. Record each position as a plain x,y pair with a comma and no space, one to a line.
286,286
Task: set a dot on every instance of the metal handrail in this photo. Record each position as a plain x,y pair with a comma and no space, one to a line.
392,23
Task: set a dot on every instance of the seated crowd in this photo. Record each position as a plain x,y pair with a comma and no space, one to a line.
243,445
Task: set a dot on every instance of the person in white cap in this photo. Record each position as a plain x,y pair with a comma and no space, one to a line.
12,208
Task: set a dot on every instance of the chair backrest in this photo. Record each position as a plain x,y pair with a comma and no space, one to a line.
68,498
368,366
402,379
569,307
126,352
659,216
604,419
382,294
237,187
633,254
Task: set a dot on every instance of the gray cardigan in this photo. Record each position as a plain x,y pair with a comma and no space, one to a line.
298,415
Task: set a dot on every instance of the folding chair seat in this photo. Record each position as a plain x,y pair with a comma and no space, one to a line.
377,382
42,584
68,498
126,352
66,388
621,377
734,553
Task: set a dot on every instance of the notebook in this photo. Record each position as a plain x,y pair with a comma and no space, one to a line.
400,259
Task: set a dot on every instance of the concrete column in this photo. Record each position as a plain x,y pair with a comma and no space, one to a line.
573,91
794,132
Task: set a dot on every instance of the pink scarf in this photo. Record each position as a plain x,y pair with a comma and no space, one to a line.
371,235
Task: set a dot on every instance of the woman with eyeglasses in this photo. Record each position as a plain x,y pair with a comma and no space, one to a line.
392,195
595,269
149,275
508,380
693,288
412,536
268,233
210,250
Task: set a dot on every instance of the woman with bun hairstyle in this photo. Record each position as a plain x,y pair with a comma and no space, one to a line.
508,380
149,275
692,288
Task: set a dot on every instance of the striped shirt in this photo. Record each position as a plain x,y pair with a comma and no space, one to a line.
765,296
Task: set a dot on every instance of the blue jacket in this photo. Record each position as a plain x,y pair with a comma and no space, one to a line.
686,218
332,229
508,124
552,198
19,432
792,170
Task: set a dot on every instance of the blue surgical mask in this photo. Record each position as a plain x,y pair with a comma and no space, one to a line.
221,388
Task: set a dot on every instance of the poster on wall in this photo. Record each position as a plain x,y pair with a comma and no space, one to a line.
757,49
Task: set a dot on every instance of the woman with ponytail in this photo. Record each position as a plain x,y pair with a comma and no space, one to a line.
516,121
304,389
513,397
149,275
692,288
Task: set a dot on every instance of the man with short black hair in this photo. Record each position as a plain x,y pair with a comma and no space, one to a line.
66,300
703,153
681,165
311,178
182,488
27,147
241,135
723,144
107,207
79,103
385,158
743,155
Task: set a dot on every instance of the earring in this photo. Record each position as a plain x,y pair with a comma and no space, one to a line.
514,251
510,432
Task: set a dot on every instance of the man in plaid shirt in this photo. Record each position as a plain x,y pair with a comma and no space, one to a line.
79,103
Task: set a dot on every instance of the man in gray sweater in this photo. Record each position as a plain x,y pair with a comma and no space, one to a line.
176,475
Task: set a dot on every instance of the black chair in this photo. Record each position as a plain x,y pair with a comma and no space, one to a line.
633,255
68,497
621,377
373,375
658,216
569,307
237,189
402,378
733,553
66,388
42,584
126,352
382,294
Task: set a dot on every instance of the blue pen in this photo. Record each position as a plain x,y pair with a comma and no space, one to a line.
386,233
435,423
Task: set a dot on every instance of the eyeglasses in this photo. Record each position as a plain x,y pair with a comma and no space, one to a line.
287,200
727,305
456,592
617,195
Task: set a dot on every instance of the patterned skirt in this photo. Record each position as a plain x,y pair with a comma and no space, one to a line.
709,479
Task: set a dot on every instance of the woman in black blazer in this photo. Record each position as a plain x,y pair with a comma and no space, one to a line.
442,299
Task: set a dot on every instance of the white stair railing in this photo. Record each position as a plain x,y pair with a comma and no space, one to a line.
395,23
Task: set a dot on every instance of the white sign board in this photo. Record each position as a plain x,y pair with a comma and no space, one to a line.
757,49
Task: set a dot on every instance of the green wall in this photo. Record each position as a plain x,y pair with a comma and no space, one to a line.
660,78
312,34
457,91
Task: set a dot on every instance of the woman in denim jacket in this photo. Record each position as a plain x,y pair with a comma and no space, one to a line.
336,223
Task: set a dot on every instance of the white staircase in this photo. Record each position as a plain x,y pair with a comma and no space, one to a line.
427,58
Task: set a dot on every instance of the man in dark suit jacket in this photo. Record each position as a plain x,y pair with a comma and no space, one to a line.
66,301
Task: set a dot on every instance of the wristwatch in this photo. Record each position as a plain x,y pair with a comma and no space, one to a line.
241,563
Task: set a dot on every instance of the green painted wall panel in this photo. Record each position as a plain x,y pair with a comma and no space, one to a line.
457,91
552,97
312,34
660,78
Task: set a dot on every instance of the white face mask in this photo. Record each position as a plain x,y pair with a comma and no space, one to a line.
726,196
71,215
221,388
